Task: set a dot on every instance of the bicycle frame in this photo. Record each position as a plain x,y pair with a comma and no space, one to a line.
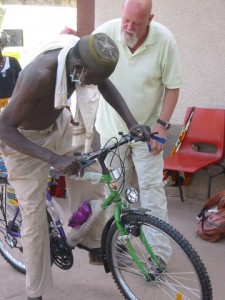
10,227
57,224
115,197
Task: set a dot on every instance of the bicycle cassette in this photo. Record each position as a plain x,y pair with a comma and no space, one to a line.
61,253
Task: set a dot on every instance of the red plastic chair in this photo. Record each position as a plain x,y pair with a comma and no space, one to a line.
206,133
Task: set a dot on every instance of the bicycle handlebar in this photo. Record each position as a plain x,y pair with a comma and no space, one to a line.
91,157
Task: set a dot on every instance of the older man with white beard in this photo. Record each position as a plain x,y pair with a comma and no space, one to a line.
148,77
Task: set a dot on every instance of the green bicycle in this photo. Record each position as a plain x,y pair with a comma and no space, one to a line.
131,241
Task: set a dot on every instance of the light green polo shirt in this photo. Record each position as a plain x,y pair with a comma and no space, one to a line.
140,77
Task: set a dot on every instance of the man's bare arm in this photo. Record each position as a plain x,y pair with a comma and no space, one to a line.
169,104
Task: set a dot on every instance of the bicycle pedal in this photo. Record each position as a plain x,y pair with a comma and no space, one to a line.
95,258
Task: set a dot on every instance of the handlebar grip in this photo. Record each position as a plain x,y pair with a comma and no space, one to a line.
87,163
77,153
156,138
159,139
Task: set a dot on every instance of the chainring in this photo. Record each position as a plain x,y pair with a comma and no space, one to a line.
61,253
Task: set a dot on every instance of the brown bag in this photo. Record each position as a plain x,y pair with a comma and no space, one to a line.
211,223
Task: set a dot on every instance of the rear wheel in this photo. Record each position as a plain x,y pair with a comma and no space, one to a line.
10,230
183,277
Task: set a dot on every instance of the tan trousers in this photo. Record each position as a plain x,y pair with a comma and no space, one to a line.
28,176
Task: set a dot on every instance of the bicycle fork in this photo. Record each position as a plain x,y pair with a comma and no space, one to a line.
134,229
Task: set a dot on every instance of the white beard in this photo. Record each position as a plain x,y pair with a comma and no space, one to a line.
131,42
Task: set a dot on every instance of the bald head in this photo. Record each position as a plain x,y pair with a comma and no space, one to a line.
139,5
136,17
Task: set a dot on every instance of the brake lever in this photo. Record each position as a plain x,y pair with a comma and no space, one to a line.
85,162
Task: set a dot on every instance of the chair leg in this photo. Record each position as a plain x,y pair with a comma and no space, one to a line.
179,182
209,182
210,176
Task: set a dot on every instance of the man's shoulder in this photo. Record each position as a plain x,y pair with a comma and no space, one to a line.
161,31
14,61
11,58
40,68
115,21
109,26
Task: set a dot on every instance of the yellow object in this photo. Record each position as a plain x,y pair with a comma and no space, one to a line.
4,102
13,202
15,54
11,196
179,296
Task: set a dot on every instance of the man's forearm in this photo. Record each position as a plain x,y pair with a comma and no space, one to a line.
15,140
169,104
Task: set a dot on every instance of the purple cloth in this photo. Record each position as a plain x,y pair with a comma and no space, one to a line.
81,215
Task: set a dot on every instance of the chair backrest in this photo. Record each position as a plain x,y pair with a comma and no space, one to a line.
206,132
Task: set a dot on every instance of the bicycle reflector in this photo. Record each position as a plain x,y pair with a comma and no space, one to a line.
131,195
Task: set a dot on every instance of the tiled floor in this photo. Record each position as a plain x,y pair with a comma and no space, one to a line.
88,282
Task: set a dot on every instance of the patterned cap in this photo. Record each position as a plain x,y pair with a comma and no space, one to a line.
99,53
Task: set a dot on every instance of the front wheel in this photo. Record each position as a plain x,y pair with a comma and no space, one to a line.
182,277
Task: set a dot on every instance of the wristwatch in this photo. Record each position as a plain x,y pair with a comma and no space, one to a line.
164,124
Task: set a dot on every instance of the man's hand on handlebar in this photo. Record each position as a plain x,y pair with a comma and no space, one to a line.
69,166
156,140
141,131
156,145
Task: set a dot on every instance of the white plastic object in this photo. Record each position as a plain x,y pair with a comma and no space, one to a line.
116,173
89,176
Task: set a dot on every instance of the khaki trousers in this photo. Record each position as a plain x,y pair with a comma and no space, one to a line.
28,176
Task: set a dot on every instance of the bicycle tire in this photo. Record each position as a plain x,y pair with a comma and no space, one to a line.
185,276
11,247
